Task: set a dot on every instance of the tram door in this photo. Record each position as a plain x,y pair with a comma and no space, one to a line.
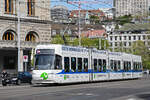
90,65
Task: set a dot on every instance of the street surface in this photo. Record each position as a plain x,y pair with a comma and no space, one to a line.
116,90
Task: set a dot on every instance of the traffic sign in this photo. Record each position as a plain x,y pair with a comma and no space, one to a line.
25,58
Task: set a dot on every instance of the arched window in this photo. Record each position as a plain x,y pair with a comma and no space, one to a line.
31,7
8,35
9,6
30,37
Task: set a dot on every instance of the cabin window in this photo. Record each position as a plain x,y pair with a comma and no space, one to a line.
66,64
95,65
79,64
73,64
58,62
86,64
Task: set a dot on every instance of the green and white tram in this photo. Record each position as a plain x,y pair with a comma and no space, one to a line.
67,64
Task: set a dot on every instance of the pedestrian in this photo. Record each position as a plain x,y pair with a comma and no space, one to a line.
4,74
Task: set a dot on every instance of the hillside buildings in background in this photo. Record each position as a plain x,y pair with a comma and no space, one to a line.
59,13
124,40
86,14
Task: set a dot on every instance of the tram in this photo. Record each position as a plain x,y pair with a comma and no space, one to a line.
68,64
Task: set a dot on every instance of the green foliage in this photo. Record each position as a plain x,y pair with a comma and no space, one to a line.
94,18
85,42
139,48
57,40
133,27
124,19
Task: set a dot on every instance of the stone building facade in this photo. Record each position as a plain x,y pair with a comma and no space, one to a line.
35,28
133,7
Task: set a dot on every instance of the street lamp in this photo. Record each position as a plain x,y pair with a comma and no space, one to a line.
18,31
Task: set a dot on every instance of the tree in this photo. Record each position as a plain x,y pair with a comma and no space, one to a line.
138,48
124,19
85,42
94,19
57,40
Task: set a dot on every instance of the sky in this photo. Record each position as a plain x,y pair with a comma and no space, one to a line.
86,4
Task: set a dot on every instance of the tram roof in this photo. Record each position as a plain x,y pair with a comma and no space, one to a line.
60,48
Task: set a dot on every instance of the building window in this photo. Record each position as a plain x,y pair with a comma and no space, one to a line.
115,37
110,44
30,37
53,32
8,36
139,37
125,44
120,38
134,37
9,6
116,44
129,43
125,37
31,7
111,38
129,37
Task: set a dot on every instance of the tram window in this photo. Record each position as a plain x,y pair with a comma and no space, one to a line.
115,65
73,64
95,65
134,65
104,65
124,66
111,64
127,68
79,64
129,65
100,65
58,62
119,66
85,64
66,64
140,66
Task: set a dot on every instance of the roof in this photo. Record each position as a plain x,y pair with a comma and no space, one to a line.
93,33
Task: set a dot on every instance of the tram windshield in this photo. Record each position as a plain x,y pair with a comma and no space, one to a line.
44,62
